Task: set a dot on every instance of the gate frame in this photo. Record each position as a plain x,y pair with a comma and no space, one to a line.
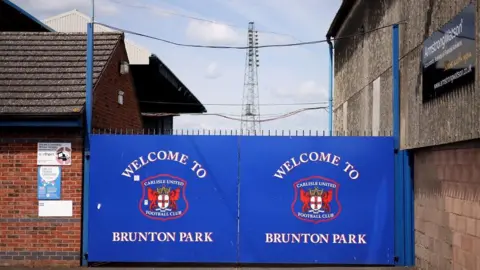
403,181
86,142
404,216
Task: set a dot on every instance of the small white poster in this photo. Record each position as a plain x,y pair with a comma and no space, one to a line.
55,208
54,154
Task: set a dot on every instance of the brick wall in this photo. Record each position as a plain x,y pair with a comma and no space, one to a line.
107,112
25,238
447,207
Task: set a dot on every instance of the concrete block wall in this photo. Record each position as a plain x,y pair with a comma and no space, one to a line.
363,79
447,207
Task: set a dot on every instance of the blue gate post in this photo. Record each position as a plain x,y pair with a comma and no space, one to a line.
86,153
399,195
404,237
409,212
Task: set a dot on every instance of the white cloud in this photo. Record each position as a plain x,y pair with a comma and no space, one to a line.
213,33
212,71
306,91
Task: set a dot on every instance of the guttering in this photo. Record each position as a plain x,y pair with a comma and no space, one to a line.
330,86
39,120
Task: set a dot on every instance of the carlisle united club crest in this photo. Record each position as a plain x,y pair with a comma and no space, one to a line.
163,197
316,199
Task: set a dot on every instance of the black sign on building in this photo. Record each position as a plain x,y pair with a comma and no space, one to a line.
448,56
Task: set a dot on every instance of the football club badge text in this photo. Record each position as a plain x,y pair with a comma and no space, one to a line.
163,197
316,199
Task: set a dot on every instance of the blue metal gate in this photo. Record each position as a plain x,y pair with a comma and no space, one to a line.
241,199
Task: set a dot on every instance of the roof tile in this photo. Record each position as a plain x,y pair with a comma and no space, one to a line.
44,72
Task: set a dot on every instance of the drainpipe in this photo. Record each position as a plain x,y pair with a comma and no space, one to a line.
330,87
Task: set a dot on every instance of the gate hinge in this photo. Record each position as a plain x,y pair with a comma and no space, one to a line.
396,259
85,256
87,155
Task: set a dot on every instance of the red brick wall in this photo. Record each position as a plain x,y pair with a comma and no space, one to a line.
25,238
447,207
107,112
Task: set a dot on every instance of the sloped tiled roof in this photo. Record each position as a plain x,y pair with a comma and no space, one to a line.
44,73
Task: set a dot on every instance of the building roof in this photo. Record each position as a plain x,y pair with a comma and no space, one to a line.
14,18
75,21
154,81
340,18
43,73
160,91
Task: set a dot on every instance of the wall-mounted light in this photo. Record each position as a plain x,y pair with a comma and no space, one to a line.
124,67
120,97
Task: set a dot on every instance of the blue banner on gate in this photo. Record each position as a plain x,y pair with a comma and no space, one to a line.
325,200
163,199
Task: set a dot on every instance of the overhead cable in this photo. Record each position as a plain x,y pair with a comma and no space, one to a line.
246,47
226,116
233,104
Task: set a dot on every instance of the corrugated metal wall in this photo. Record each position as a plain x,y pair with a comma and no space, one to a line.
75,21
363,79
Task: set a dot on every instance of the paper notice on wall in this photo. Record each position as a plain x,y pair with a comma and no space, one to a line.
55,208
54,154
49,182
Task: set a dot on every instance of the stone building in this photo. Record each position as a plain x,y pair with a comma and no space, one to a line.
442,132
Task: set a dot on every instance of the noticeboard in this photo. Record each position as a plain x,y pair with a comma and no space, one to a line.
448,56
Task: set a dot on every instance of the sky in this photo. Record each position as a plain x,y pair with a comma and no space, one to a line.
286,75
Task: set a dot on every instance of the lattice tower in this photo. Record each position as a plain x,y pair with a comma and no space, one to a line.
250,104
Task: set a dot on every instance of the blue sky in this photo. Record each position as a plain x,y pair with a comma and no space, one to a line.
286,75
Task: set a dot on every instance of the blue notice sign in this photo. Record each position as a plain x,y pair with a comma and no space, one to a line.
49,182
316,200
163,199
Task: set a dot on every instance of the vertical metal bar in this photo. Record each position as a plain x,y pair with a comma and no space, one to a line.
89,75
396,86
399,183
85,206
409,211
330,88
93,12
86,154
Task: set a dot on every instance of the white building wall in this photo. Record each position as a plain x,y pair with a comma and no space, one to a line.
75,21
